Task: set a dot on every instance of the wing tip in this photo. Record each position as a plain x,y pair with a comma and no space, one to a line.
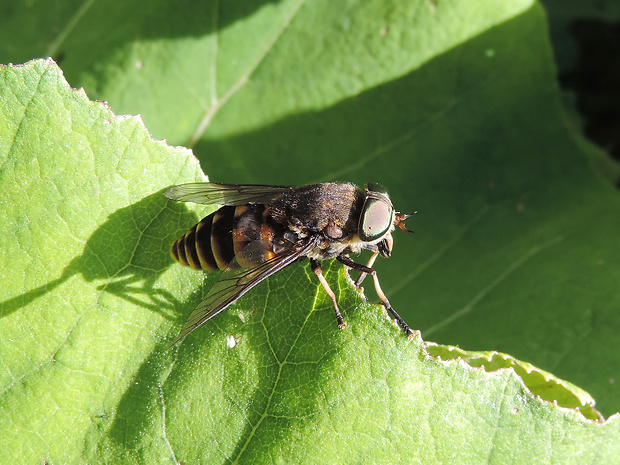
184,332
174,342
169,193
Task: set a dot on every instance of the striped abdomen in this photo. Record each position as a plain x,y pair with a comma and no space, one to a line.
222,236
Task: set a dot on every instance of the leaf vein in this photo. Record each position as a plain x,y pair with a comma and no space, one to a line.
217,104
53,48
468,307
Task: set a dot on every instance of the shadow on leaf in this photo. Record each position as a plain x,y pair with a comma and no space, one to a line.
129,252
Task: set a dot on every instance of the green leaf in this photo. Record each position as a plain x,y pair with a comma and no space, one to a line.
87,289
540,383
454,108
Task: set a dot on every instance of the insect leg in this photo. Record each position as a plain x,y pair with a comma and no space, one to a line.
371,262
318,271
386,303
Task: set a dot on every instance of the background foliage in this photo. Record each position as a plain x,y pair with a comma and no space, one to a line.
456,109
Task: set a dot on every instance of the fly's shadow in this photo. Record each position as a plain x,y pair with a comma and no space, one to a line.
126,254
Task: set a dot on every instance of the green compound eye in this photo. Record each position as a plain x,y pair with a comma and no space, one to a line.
376,220
376,187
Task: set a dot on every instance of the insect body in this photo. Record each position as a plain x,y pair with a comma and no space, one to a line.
261,229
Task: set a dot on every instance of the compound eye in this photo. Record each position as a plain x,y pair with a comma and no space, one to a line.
375,187
376,220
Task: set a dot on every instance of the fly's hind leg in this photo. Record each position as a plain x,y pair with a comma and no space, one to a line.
318,271
386,303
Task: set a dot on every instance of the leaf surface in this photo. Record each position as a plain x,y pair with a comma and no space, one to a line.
515,248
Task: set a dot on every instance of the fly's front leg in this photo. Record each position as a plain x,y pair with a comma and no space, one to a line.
318,271
363,274
386,303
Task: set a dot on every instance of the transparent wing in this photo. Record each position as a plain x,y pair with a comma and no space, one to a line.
235,283
224,194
